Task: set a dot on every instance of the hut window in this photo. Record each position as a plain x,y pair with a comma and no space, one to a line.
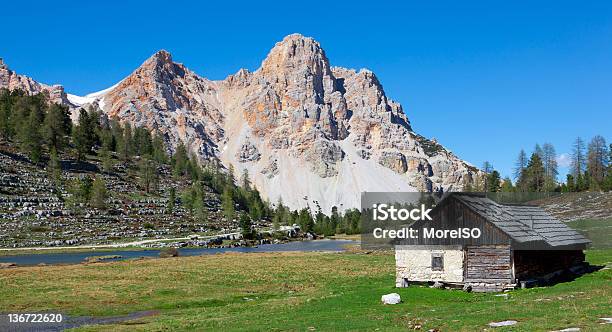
437,262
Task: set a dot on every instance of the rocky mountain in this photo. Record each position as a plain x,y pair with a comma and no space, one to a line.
313,134
12,81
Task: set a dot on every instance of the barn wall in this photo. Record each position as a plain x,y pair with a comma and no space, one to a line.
414,264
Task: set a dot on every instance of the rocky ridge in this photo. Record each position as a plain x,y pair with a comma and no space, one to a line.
313,134
12,81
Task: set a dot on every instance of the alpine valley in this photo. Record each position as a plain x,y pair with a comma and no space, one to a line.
313,134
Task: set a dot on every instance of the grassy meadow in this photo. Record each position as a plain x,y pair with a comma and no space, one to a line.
296,292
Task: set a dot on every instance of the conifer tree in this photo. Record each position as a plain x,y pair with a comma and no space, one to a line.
171,201
533,176
255,205
57,126
571,186
549,159
335,218
246,182
227,203
31,138
282,212
507,185
597,159
6,121
149,176
520,165
84,133
539,151
276,222
305,221
98,193
493,181
126,148
200,211
106,158
578,158
85,186
159,149
246,226
180,160
230,175
55,168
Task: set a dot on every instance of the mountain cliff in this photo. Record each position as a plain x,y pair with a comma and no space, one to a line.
313,134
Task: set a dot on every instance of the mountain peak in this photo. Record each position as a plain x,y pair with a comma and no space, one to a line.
160,58
293,57
297,36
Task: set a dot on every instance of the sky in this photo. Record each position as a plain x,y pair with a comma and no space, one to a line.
485,78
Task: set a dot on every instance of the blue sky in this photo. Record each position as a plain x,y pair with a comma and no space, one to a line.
485,78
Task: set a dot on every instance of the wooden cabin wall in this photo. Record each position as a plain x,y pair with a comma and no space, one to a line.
534,263
488,268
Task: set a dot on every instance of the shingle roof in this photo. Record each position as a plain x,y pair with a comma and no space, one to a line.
524,223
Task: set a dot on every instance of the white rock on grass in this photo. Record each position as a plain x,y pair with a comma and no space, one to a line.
607,320
392,298
503,323
569,329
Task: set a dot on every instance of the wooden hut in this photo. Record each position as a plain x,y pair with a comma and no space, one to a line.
519,243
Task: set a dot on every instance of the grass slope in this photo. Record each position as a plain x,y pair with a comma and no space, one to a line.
294,291
599,231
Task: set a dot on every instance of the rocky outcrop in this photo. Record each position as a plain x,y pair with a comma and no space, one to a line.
324,157
13,81
271,169
394,160
327,133
248,152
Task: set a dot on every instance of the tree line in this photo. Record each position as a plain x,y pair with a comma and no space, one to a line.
590,170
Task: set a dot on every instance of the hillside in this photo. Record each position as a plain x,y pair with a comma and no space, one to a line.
580,205
34,211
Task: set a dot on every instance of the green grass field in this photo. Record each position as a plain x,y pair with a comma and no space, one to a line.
294,291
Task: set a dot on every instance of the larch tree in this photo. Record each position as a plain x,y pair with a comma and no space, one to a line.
227,203
520,165
578,161
549,159
597,159
98,193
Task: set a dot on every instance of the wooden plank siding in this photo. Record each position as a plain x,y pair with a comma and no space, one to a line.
488,263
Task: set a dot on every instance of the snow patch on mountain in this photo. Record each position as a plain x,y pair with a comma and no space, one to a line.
91,97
